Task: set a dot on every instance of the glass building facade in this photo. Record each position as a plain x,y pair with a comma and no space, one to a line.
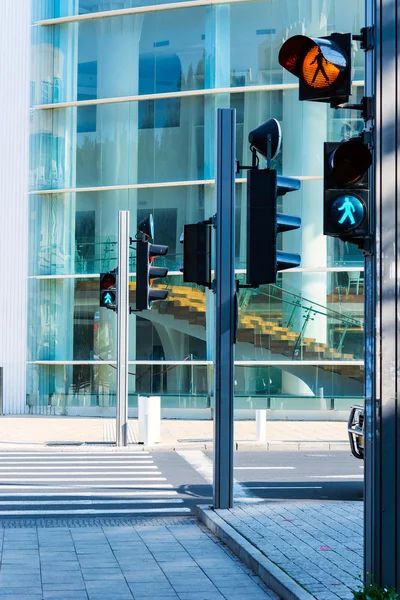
124,96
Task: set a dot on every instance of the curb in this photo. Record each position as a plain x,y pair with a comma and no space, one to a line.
279,581
308,445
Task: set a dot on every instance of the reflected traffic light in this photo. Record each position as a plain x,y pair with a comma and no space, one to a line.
108,290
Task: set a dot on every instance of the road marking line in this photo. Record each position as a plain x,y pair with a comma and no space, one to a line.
49,479
68,502
260,468
93,511
285,487
335,476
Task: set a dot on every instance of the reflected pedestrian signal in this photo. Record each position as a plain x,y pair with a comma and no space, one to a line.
322,65
146,273
346,190
108,290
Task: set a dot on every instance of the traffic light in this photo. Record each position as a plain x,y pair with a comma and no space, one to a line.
196,240
264,223
108,290
346,190
322,65
146,273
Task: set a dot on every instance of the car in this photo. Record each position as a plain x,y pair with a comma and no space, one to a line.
355,430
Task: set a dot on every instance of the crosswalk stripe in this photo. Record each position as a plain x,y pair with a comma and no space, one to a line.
79,484
77,468
10,465
91,493
92,511
96,501
58,453
89,486
45,479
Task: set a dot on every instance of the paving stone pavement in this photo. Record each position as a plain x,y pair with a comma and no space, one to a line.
318,544
153,559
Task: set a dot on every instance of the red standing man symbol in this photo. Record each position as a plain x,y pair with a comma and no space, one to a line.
319,59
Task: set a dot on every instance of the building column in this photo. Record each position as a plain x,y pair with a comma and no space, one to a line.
14,166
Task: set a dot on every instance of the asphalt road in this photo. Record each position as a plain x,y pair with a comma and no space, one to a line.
301,475
131,483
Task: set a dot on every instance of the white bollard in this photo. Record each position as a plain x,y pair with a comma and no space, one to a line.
261,425
149,416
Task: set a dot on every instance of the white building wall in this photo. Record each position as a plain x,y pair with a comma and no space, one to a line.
14,168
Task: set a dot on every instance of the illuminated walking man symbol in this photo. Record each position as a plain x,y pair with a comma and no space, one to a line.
320,66
108,298
348,208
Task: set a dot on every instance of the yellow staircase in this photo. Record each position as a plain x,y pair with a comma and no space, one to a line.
189,304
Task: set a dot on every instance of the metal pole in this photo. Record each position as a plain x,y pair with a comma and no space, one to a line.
382,277
122,328
225,308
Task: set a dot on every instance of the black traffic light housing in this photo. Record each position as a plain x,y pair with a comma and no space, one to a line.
108,290
322,65
145,273
346,190
196,240
264,223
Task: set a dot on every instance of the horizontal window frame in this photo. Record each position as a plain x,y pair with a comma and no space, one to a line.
142,186
273,87
135,10
202,363
237,272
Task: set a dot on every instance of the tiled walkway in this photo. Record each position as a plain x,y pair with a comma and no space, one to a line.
318,544
153,560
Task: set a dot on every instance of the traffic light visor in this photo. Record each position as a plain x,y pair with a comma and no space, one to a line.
350,161
317,61
258,138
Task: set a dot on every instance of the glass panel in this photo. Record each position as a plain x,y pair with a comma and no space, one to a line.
279,321
252,31
77,232
281,388
67,388
67,323
124,143
74,389
275,323
122,56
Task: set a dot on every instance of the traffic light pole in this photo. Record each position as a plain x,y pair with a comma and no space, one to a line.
225,308
122,328
382,300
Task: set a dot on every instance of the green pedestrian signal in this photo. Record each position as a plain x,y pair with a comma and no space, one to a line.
346,190
109,298
348,212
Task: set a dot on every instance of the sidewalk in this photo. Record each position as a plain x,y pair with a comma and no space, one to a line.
301,550
32,430
149,559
